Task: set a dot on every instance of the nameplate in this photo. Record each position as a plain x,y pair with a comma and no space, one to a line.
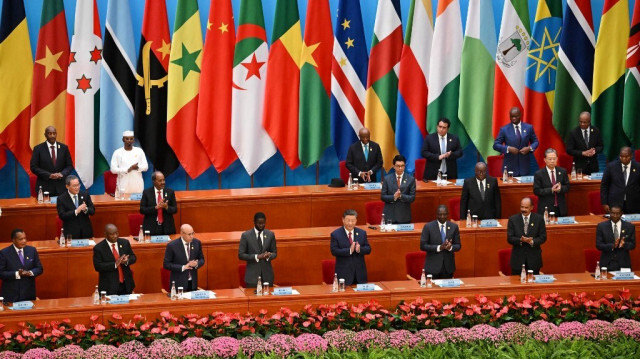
80,243
460,182
24,305
404,227
566,220
160,239
282,291
365,287
526,179
596,176
632,217
373,185
119,299
543,278
488,223
623,275
448,283
200,294
53,199
136,196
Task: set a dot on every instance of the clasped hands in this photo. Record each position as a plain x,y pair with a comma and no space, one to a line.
133,167
366,176
556,188
124,260
619,243
24,273
355,247
56,175
193,264
266,255
589,153
444,155
397,194
514,151
528,240
163,205
82,208
446,246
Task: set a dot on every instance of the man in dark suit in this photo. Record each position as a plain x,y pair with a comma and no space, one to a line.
615,238
19,266
621,183
526,232
349,245
158,204
550,184
481,195
584,144
440,239
112,259
364,158
51,162
516,141
74,208
441,150
183,257
258,249
398,192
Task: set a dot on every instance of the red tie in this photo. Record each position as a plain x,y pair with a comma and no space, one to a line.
160,215
116,256
53,155
399,180
553,183
350,239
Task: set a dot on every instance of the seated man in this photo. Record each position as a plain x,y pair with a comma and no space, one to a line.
51,162
550,184
258,249
19,266
615,238
481,195
526,232
74,209
183,256
364,158
440,239
158,204
112,259
398,192
349,245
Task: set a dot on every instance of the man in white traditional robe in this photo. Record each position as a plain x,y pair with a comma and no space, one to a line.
128,163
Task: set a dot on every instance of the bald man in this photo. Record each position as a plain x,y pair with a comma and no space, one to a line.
481,195
183,257
621,183
112,259
584,144
364,158
51,163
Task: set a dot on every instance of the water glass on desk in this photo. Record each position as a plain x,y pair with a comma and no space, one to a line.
474,221
603,273
530,276
47,198
355,184
265,288
1,304
341,286
147,236
510,176
180,293
68,239
552,217
103,297
579,174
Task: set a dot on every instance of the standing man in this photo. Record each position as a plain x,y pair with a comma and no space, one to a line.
550,184
349,245
440,239
74,208
481,195
258,249
398,192
516,141
128,162
158,204
526,232
584,144
621,183
51,162
615,238
441,150
19,267
183,257
364,158
112,259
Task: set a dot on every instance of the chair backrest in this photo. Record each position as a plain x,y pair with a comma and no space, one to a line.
636,155
328,270
374,211
494,165
591,256
110,180
344,172
504,259
454,208
565,161
414,262
595,206
32,184
165,277
242,269
420,164
135,221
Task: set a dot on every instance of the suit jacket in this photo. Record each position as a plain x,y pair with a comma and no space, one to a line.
605,242
523,252
356,162
175,257
248,250
42,166
429,242
78,226
148,208
398,211
575,145
431,151
15,290
519,164
105,264
350,266
613,189
489,208
542,189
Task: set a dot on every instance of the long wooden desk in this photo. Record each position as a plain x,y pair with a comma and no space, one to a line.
149,306
285,207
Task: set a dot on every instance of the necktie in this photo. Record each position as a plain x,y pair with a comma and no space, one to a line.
443,236
616,235
160,214
518,135
585,134
482,190
260,248
116,256
187,248
53,155
624,173
399,178
350,239
443,149
75,200
21,256
526,225
366,152
553,183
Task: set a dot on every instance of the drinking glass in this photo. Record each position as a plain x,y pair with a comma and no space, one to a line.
47,199
355,184
444,179
474,221
180,293
265,288
103,297
68,239
510,176
552,217
580,174
147,236
341,287
603,273
429,280
530,276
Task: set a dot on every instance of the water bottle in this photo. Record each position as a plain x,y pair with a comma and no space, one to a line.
574,176
350,184
62,239
546,216
439,179
174,294
141,235
96,297
505,175
423,280
334,288
597,274
523,275
383,224
468,218
259,284
40,196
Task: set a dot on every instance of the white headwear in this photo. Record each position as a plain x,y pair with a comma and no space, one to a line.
127,134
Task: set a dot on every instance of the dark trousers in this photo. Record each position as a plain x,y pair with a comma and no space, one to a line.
442,274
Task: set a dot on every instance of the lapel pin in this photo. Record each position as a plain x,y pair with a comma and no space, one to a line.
356,233
525,131
449,140
121,246
623,231
448,227
634,170
28,257
488,185
58,146
592,130
531,224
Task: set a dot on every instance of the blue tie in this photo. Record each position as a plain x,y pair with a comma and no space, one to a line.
442,235
518,135
366,152
443,149
75,200
21,256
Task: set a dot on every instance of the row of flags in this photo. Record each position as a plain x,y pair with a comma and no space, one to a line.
199,103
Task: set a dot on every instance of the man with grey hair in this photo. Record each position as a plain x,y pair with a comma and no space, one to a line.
128,162
349,245
74,208
584,143
550,184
